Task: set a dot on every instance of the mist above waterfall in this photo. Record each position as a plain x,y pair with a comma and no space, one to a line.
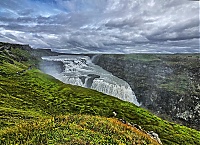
79,70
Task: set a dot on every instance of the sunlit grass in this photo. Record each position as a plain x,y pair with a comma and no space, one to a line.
71,129
35,108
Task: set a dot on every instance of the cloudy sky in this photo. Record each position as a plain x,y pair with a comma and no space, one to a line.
102,26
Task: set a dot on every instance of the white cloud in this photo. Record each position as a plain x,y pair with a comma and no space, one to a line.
117,26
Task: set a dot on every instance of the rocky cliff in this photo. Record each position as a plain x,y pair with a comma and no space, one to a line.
168,85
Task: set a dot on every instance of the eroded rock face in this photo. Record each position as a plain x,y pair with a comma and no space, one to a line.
168,85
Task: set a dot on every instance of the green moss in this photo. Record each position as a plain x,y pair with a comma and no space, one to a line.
74,129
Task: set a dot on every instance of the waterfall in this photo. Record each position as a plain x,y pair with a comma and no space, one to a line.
79,70
72,80
124,92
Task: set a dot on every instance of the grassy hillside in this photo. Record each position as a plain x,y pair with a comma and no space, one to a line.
74,129
35,108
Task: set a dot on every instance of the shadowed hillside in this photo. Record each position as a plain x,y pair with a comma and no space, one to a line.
166,84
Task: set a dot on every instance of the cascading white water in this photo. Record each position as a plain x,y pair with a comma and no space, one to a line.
123,92
72,80
79,70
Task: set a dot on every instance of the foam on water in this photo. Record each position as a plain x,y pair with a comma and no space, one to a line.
79,70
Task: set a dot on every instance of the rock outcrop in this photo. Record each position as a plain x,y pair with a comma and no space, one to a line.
168,85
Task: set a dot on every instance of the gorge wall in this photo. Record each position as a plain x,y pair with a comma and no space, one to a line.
168,85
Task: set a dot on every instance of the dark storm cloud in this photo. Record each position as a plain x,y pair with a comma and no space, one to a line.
112,26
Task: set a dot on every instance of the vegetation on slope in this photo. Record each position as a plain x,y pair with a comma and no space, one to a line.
36,108
74,129
166,84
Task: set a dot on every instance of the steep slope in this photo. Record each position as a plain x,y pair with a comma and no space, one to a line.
168,85
36,108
